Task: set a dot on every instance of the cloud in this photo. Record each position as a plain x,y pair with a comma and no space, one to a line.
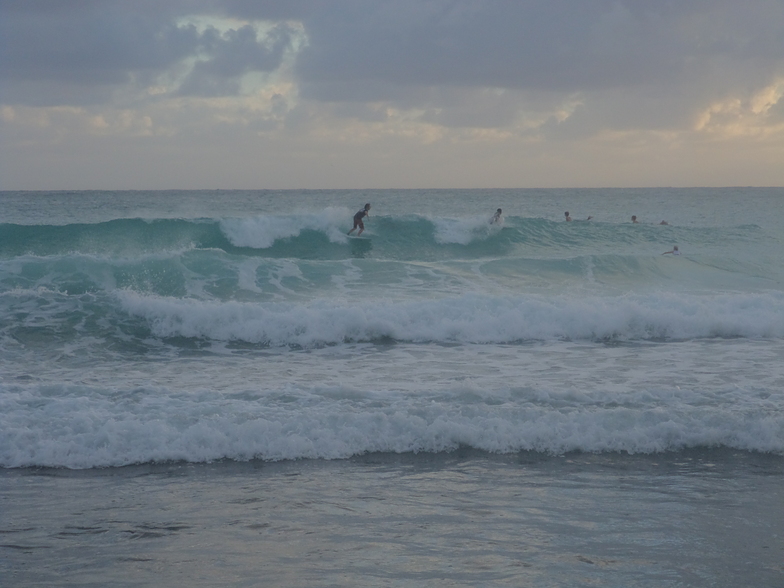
558,45
760,114
231,55
89,44
490,81
634,64
404,52
50,56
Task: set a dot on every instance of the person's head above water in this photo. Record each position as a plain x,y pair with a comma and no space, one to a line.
566,213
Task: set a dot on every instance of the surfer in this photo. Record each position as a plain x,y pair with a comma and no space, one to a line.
634,220
569,218
664,223
497,218
673,252
358,219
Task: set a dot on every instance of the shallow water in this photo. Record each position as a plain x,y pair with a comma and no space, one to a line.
695,518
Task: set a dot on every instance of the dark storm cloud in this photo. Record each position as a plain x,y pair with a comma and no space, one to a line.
76,52
554,45
91,43
656,61
394,51
557,45
299,10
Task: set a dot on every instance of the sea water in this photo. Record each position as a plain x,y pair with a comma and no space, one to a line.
223,388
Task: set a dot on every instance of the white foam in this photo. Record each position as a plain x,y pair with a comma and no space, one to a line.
261,232
470,318
80,427
463,231
246,275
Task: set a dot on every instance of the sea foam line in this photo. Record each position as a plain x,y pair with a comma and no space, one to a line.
470,318
82,427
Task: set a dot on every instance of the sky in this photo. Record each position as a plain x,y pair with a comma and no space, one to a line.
309,94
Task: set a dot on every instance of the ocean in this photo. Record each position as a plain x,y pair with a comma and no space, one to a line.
222,388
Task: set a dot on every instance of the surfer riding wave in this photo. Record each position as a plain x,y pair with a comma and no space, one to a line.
358,219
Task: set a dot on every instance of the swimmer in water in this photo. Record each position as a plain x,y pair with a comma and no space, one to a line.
674,251
634,220
358,219
569,218
497,218
664,223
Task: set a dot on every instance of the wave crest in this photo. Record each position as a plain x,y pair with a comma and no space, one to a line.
262,232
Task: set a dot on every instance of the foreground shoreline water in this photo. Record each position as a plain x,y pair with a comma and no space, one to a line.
464,518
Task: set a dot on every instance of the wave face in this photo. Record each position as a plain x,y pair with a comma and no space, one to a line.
104,318
299,280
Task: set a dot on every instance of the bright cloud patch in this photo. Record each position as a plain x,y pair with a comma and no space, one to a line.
751,116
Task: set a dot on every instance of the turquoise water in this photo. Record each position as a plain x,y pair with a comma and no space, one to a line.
262,333
147,332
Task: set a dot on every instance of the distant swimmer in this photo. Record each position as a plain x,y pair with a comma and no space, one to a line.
497,218
673,252
634,220
569,218
664,223
358,220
